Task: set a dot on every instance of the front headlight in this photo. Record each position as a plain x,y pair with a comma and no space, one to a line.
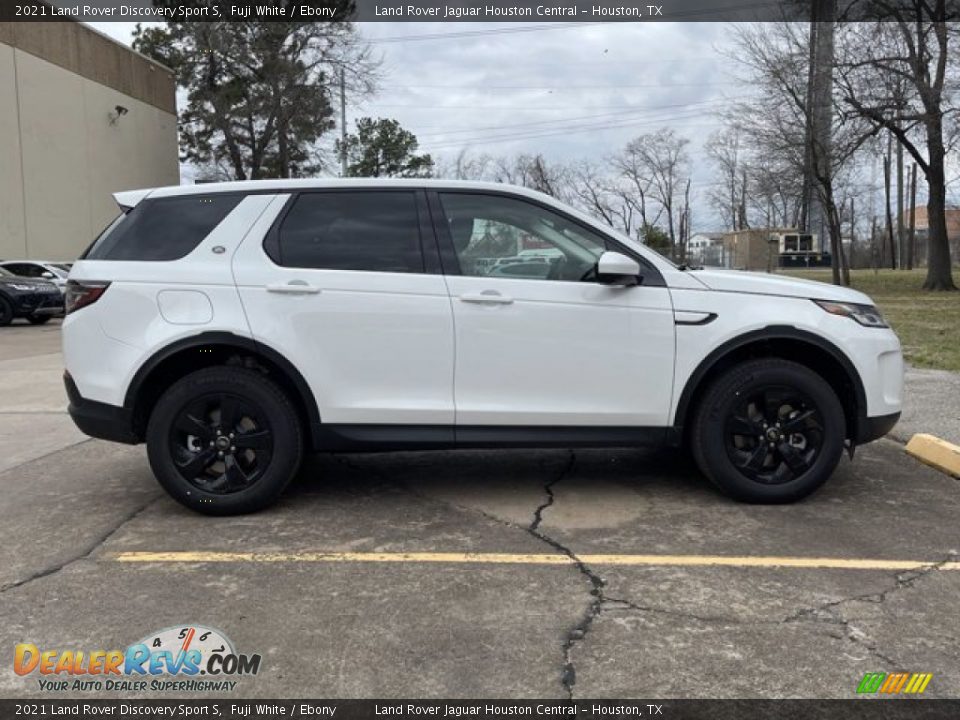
24,288
866,315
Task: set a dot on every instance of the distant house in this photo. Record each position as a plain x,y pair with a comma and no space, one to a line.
755,249
706,249
770,248
923,221
923,232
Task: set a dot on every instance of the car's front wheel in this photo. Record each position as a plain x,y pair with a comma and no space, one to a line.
6,312
768,431
38,319
224,441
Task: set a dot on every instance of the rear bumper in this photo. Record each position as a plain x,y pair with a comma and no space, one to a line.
871,428
99,420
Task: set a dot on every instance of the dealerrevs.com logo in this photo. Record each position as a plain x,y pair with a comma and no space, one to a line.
187,658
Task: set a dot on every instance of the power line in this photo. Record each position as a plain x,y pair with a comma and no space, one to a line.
589,127
553,121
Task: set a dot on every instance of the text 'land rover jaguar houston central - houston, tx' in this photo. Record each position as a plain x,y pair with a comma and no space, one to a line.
234,326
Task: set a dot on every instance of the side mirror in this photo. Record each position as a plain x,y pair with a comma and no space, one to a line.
48,275
615,268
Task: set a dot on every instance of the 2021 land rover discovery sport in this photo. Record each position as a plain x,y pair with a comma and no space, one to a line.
232,327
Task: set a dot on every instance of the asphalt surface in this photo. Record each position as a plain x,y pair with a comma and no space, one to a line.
352,626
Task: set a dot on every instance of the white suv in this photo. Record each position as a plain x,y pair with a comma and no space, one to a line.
233,326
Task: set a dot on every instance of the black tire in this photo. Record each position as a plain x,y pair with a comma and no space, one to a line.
6,312
187,430
38,319
750,456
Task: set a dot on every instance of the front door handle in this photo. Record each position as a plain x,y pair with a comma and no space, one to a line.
487,297
294,287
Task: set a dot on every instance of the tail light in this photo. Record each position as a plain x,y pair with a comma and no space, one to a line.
81,293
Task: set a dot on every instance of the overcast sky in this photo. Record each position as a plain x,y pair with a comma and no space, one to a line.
565,90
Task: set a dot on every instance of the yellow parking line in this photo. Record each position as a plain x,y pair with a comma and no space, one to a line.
528,559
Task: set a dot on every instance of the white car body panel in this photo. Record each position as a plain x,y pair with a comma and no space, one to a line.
126,326
875,353
405,349
375,348
559,353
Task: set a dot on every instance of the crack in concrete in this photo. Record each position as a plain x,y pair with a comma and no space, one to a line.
580,630
826,613
830,612
568,676
86,552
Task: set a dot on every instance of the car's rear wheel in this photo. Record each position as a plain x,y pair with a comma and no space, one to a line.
224,441
38,319
6,312
768,431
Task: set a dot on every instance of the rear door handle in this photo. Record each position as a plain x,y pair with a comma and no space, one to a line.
487,297
294,287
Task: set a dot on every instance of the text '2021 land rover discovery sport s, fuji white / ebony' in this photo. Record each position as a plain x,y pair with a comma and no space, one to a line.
234,326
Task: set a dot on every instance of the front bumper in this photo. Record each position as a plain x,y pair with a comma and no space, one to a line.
872,428
41,303
99,420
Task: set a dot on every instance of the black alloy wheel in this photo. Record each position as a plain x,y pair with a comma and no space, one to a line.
768,431
221,443
225,440
774,435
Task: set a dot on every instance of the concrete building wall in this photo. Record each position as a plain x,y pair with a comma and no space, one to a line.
63,149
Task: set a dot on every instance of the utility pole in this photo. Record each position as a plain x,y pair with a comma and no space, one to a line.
912,237
343,122
900,239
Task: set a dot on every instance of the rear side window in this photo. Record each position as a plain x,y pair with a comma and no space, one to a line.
163,229
372,231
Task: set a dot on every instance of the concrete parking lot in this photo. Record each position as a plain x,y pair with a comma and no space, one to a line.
479,574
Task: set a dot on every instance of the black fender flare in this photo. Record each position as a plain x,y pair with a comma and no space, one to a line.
225,339
772,332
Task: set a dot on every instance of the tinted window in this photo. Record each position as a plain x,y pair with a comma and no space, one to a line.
374,231
163,229
25,269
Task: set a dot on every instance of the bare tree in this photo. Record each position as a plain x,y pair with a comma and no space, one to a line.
729,196
532,171
898,73
661,160
778,124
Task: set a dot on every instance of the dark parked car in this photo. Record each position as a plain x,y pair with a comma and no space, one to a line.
35,300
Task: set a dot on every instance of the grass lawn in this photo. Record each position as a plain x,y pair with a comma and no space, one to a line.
928,323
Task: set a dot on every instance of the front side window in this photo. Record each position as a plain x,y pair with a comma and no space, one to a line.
504,237
376,231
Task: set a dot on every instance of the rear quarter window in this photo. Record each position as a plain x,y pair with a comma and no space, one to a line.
162,229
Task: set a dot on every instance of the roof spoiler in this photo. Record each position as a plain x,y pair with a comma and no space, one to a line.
130,198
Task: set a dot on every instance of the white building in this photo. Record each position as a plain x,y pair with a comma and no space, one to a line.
81,117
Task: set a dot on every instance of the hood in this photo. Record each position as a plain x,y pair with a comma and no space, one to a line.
768,284
36,283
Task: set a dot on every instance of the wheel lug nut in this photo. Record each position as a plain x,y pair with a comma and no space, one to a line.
233,448
220,454
231,435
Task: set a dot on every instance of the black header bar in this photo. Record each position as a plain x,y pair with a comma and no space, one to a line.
526,11
244,709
